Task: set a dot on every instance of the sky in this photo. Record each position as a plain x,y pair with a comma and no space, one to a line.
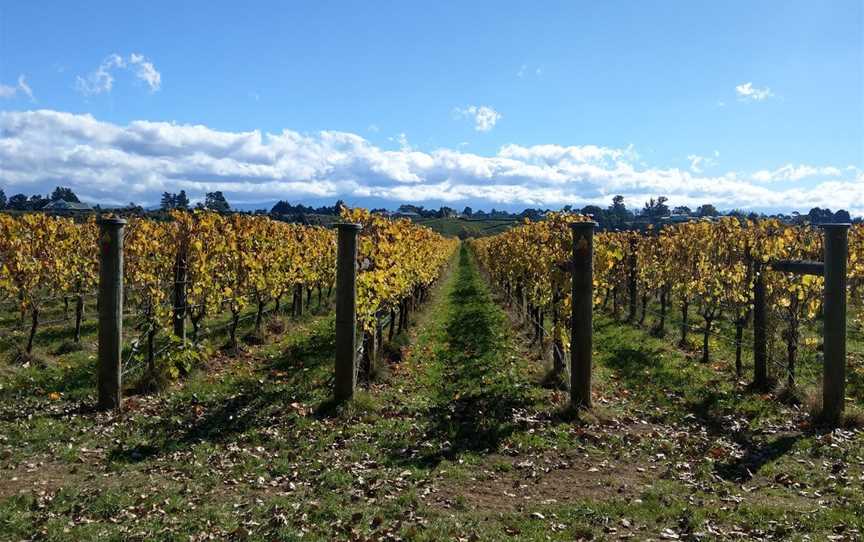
754,105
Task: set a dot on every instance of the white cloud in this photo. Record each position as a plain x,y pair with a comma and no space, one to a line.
7,91
10,91
698,163
102,78
746,91
25,88
524,70
145,71
485,118
113,163
791,172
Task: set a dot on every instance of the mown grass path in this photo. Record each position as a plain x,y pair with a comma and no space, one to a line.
475,377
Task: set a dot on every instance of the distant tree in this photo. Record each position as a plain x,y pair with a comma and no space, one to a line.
181,201
467,211
133,208
596,212
215,201
532,214
65,194
840,216
655,209
618,214
285,208
820,216
2,199
707,210
445,212
567,208
168,202
18,202
682,210
36,202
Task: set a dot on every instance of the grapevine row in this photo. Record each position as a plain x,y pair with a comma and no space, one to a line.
706,269
198,265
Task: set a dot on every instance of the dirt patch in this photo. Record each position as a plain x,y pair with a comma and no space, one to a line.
511,483
35,477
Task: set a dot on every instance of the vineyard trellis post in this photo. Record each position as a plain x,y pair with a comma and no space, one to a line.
346,311
760,323
109,373
833,269
834,377
581,315
180,273
631,279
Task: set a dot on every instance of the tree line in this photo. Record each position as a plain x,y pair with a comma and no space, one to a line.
615,216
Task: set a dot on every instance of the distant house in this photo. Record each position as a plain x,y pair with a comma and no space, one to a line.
63,207
676,219
407,214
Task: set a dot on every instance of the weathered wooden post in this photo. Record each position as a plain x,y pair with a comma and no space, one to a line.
109,373
631,280
834,377
833,268
582,307
180,274
346,311
760,339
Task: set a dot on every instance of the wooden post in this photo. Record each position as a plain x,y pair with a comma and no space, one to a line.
760,338
109,374
581,320
834,334
346,311
631,280
180,293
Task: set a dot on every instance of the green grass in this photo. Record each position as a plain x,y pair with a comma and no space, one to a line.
453,227
459,442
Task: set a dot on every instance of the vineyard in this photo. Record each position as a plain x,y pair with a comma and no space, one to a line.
705,271
204,267
379,381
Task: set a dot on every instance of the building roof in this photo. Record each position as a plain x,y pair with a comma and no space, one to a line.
63,205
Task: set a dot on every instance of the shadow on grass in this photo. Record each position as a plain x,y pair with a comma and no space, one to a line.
646,373
262,400
472,409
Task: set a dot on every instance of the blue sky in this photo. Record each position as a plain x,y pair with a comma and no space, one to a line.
745,104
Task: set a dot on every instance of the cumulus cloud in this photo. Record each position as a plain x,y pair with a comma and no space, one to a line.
102,78
485,118
791,172
113,163
10,91
697,163
747,92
